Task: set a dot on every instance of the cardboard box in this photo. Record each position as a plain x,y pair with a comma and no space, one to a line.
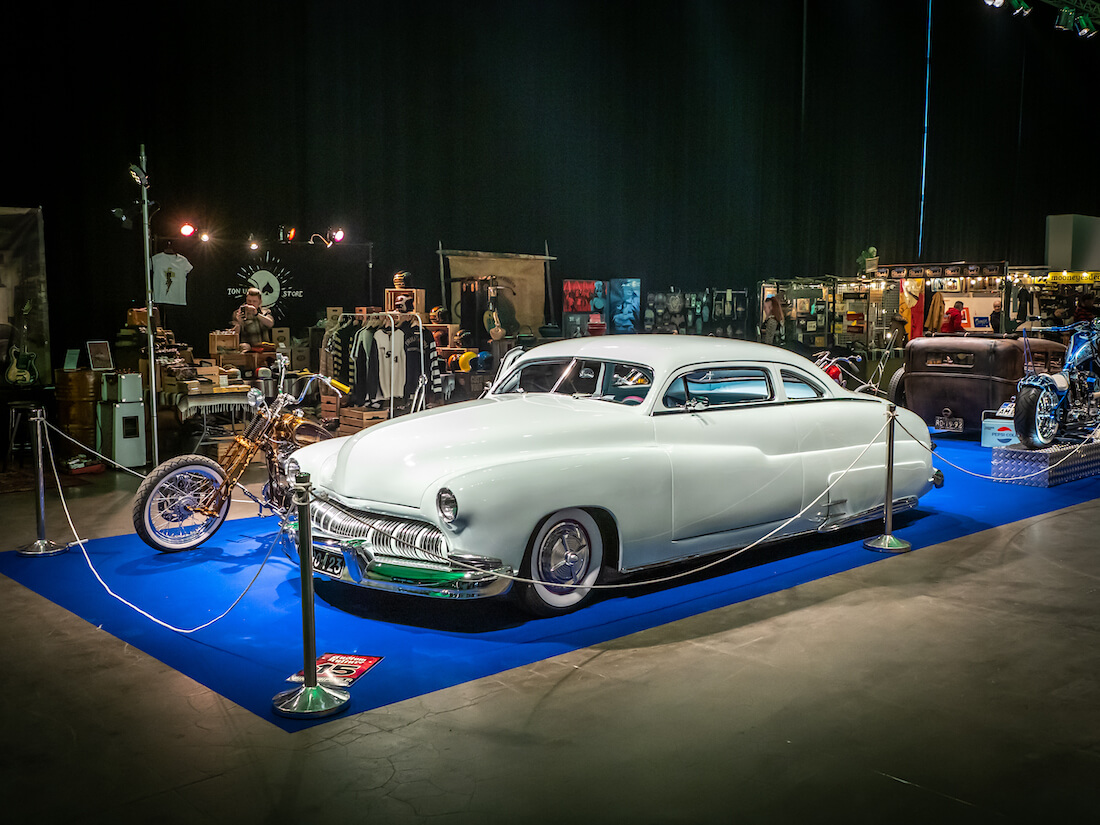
136,317
280,336
299,358
333,313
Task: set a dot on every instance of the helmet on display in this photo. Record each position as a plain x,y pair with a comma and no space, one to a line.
452,363
464,338
465,361
439,315
482,361
400,279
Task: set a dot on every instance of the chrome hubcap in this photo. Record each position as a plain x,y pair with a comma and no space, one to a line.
564,555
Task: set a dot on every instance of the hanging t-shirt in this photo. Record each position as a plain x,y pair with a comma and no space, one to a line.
170,278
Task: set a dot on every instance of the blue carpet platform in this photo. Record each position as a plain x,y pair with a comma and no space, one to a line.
425,644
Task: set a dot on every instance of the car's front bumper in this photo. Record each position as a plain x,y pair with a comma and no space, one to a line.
353,563
398,554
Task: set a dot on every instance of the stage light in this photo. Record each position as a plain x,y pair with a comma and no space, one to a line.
253,244
124,217
1084,26
995,3
1065,19
187,230
1020,8
286,234
336,235
205,237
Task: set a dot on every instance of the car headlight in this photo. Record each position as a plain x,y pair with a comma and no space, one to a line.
447,505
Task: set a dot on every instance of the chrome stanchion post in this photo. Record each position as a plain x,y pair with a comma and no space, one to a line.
42,546
311,699
887,542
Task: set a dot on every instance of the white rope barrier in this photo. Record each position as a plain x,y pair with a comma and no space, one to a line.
84,551
713,563
1090,438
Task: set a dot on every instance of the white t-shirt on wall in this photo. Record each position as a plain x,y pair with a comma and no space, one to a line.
170,278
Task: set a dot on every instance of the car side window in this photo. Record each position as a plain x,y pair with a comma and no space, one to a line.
540,376
718,386
798,387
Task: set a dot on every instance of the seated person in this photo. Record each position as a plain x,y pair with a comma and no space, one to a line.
252,320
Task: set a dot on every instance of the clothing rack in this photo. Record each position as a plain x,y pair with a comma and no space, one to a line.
392,320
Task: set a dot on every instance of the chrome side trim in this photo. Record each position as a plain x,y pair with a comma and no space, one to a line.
900,506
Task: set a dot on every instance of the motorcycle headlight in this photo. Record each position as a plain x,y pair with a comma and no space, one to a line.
447,505
255,398
291,469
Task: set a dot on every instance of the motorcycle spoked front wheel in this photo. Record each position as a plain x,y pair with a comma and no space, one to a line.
1036,417
177,506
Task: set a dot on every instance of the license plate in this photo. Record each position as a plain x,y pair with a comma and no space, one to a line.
954,425
1007,410
327,562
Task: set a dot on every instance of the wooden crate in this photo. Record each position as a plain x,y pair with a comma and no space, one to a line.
224,342
418,296
354,419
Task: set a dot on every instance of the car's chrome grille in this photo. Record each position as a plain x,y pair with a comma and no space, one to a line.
385,536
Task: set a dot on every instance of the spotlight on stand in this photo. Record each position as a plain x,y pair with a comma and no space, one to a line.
335,235
187,229
1065,19
286,233
123,216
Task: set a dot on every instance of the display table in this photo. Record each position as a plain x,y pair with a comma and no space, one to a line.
232,402
222,402
1047,467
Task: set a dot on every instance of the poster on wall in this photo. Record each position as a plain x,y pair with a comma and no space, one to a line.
578,296
625,305
575,324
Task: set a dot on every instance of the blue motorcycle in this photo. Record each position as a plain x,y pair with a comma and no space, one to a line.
1054,405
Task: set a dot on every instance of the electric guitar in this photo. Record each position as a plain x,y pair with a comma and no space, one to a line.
21,371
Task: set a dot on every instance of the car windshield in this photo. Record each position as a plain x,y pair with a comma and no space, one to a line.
583,378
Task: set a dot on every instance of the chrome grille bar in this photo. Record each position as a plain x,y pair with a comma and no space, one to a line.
384,535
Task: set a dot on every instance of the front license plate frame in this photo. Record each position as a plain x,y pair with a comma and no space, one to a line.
950,425
328,563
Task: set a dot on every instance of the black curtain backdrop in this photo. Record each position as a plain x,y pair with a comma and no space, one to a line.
687,143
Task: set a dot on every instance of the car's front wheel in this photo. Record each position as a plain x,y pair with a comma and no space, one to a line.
562,563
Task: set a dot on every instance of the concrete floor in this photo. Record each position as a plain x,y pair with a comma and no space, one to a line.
957,683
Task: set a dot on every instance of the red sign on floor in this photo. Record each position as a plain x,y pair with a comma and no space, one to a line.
339,669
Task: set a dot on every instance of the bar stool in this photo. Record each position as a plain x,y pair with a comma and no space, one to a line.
18,413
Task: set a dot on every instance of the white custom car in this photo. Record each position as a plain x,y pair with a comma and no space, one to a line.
611,453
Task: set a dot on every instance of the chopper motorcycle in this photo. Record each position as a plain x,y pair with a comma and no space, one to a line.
1054,405
184,501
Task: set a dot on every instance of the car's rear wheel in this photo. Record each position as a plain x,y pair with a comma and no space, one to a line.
563,561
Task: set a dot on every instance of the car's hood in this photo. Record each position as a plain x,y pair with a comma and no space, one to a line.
396,462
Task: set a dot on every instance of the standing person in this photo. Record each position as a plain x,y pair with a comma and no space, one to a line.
953,318
995,317
772,328
252,320
1086,310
